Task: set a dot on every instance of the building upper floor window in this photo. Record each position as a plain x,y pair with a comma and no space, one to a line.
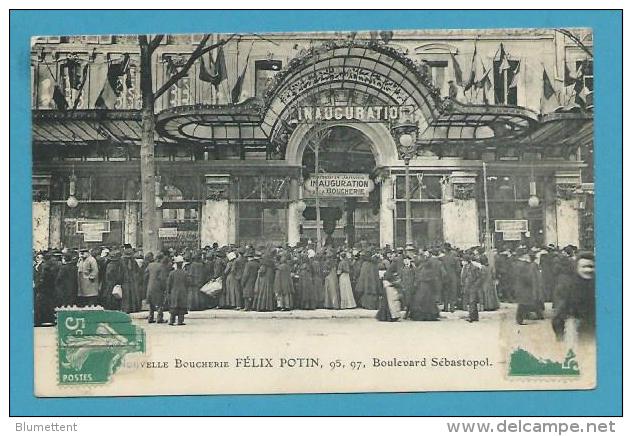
505,82
265,70
585,70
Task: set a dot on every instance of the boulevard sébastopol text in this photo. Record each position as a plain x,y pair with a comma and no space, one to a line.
258,362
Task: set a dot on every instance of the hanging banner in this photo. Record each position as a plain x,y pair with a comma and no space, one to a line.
167,232
338,185
512,236
511,226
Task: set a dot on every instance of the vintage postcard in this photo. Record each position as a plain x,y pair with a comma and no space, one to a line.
379,211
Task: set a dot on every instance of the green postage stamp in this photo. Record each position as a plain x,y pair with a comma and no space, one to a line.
91,344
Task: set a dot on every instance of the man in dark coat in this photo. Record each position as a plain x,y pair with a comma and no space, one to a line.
576,294
452,268
66,282
156,279
45,275
423,306
471,279
524,285
248,279
178,284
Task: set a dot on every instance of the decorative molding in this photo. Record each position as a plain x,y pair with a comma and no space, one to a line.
463,191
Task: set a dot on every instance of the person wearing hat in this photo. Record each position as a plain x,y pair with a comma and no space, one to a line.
178,285
283,284
347,300
369,284
102,263
525,283
66,282
390,306
200,274
576,295
423,306
248,278
131,281
264,299
471,283
44,275
233,295
88,279
452,268
156,283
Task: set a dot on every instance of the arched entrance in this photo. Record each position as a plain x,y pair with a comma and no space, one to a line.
333,156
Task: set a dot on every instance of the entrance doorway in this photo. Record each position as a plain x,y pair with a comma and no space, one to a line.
344,219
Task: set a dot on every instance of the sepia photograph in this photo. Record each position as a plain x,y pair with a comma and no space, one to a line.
403,210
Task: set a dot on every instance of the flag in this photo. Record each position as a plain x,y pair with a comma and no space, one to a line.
472,79
504,62
113,87
547,87
49,93
84,77
237,88
581,96
568,79
514,79
483,81
215,73
458,73
579,81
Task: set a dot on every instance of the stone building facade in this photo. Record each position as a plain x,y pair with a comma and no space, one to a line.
499,114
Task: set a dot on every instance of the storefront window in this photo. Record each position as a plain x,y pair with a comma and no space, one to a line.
93,225
262,224
262,209
427,226
508,198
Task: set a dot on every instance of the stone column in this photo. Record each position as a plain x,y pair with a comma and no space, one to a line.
387,203
567,208
216,221
41,225
130,225
459,210
294,211
232,223
55,225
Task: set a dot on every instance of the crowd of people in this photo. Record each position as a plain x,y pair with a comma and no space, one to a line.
409,283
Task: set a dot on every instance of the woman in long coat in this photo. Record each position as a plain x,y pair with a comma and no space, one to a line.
264,300
488,285
369,283
306,281
232,297
423,306
113,277
318,276
332,300
283,285
130,277
471,283
524,286
390,305
347,301
200,274
178,285
248,280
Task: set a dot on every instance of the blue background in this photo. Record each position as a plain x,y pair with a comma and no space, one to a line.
605,400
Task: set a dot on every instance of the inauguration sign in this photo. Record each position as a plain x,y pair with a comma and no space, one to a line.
310,114
338,185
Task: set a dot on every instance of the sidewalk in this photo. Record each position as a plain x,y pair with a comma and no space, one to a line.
315,314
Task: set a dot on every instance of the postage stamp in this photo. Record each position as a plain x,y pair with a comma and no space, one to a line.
92,343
